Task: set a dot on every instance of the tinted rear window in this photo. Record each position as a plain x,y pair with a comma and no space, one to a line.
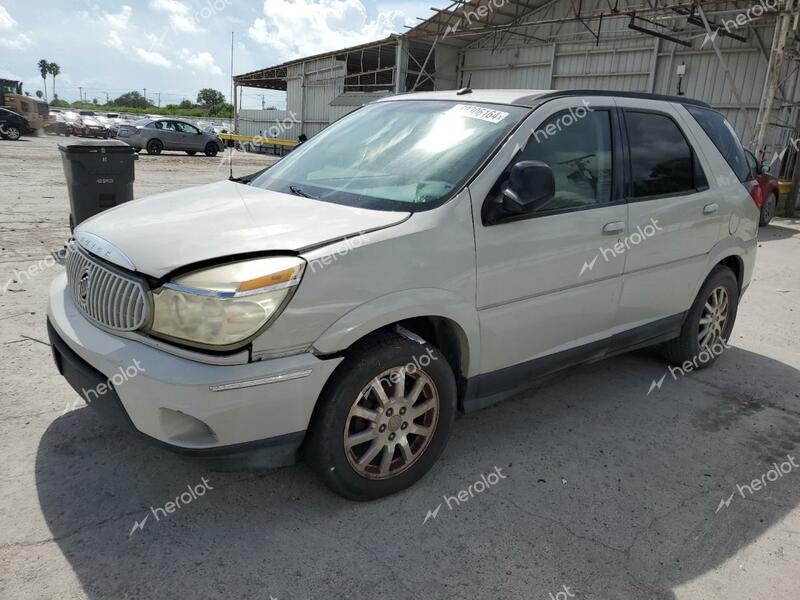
661,159
724,138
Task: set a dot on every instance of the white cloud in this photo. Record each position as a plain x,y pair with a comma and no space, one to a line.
180,15
202,61
120,19
153,58
294,28
14,41
114,41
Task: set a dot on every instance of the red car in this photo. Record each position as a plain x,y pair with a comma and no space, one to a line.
769,188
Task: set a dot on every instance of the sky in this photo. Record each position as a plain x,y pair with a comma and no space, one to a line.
176,47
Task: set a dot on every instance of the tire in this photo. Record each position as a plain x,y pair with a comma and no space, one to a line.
687,346
379,361
11,133
211,149
768,209
154,147
191,152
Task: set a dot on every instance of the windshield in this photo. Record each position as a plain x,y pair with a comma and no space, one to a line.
397,155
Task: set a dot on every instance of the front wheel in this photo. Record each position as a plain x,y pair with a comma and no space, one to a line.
384,417
211,149
709,322
768,209
154,147
12,133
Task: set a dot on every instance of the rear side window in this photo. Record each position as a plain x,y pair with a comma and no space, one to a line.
724,138
662,162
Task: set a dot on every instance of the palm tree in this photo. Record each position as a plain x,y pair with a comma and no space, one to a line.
54,71
44,69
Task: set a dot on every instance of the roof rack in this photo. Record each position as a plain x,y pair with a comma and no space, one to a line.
533,100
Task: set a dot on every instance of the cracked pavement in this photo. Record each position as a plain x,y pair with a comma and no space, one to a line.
610,491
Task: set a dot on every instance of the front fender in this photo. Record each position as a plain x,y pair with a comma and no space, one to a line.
398,306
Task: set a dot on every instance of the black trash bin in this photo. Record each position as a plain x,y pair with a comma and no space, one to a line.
99,176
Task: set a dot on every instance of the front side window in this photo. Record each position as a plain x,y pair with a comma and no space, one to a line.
186,128
661,160
576,145
398,155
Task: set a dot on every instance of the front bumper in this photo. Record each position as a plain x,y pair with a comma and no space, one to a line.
264,406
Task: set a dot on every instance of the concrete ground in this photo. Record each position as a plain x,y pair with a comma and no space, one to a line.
607,492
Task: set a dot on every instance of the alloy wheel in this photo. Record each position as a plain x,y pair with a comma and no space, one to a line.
391,423
713,318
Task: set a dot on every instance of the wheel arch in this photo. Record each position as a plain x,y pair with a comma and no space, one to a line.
438,316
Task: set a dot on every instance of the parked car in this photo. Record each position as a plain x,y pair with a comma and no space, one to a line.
157,135
58,125
214,132
92,127
428,253
13,125
768,187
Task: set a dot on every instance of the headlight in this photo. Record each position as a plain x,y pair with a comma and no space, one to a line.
223,306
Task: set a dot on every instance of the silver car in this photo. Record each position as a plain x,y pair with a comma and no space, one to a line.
427,254
157,135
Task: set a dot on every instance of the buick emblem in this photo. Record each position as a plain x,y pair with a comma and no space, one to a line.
83,287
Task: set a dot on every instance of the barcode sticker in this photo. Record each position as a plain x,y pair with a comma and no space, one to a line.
479,112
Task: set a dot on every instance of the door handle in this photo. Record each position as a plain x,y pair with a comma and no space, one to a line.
613,227
710,208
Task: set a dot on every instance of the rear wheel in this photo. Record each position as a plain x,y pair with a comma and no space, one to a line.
384,417
768,209
709,322
211,149
154,147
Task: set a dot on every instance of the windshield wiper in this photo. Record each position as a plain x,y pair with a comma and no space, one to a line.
298,192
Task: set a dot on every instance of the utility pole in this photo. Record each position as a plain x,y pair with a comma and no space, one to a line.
80,95
262,102
107,98
144,90
159,99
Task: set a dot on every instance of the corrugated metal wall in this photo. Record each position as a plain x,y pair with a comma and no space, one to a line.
626,60
263,122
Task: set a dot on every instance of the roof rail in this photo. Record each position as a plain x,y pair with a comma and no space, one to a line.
533,100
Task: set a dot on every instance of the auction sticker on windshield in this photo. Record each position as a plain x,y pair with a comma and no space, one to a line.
479,112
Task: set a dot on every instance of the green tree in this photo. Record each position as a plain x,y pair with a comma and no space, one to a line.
54,70
133,99
211,100
186,104
44,69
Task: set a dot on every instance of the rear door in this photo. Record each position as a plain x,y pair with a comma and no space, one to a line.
168,134
544,288
674,217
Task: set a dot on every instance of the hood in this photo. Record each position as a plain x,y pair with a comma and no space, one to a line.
161,233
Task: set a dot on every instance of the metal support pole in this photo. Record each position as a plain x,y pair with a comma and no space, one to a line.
400,66
771,85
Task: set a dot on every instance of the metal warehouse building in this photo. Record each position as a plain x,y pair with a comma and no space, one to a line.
740,57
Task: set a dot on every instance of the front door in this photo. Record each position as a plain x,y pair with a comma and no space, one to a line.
548,282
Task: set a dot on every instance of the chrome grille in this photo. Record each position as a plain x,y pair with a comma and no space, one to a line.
110,297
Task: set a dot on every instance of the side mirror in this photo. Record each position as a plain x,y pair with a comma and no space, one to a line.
530,186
